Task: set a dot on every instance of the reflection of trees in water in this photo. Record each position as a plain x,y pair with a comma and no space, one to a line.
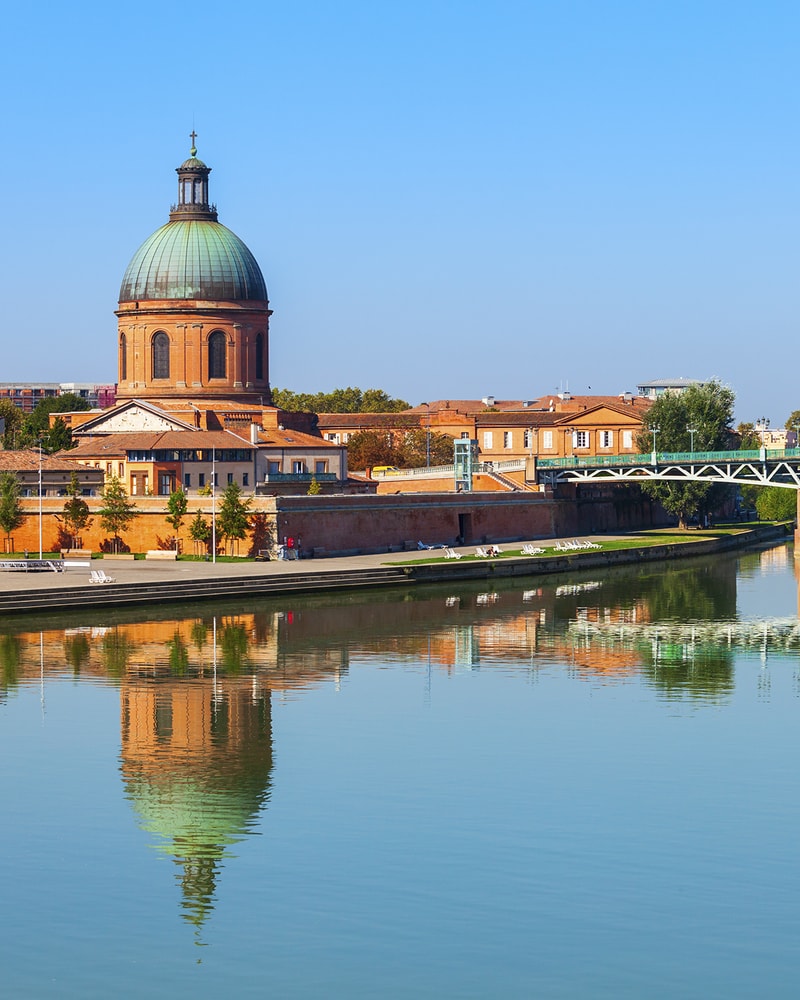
116,651
178,653
10,659
704,673
198,633
76,651
233,648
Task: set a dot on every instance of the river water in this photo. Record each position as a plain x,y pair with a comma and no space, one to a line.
575,787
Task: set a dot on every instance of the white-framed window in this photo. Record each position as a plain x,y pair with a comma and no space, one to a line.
627,439
507,439
606,439
487,440
527,439
298,466
580,439
320,465
547,440
333,437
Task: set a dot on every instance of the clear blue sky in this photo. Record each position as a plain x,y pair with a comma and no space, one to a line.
447,199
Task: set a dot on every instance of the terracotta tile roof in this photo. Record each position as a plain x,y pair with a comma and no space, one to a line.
517,418
271,437
116,445
28,461
576,403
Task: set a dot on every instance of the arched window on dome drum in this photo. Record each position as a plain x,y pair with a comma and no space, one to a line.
216,355
123,358
160,355
259,356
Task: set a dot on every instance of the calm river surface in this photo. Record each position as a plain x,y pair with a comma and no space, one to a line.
581,787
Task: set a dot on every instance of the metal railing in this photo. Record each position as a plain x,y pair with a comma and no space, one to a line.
299,477
664,457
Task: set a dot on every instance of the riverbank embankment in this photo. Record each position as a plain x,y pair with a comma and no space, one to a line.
148,583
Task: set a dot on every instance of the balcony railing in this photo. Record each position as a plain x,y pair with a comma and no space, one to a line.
300,477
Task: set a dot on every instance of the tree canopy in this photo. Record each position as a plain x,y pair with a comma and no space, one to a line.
369,448
705,413
233,520
11,514
117,511
350,400
35,426
76,514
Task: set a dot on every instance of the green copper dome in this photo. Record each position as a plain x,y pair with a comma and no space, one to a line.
193,259
193,256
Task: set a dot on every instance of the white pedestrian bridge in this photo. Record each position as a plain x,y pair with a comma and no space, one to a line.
758,467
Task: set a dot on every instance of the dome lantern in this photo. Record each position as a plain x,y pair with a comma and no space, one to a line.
193,189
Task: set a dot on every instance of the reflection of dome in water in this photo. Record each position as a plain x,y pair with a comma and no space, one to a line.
197,770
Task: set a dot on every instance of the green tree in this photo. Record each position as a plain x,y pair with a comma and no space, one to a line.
704,412
314,489
76,515
11,513
118,510
233,520
748,437
200,530
350,400
58,438
177,506
368,448
413,451
793,421
776,503
36,425
13,416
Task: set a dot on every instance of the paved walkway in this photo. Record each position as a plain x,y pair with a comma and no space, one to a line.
155,571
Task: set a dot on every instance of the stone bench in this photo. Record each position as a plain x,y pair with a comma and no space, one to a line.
169,554
76,553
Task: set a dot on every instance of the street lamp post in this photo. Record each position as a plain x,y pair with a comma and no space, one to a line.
40,498
213,505
428,436
692,431
654,431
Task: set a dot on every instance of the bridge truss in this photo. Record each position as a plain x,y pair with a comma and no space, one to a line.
754,468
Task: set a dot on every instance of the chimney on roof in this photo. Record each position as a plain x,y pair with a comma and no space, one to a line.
254,429
488,400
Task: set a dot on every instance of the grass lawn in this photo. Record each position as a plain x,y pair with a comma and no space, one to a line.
639,540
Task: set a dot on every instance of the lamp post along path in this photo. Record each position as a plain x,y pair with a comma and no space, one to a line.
40,498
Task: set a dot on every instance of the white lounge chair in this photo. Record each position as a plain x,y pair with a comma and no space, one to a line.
481,553
451,554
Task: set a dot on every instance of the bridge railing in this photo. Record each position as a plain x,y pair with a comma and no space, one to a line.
666,457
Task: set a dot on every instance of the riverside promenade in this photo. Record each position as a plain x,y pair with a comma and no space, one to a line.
146,582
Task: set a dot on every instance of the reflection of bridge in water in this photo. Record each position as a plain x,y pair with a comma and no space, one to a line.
765,635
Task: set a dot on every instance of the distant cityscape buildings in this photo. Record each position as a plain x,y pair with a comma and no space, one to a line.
26,395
